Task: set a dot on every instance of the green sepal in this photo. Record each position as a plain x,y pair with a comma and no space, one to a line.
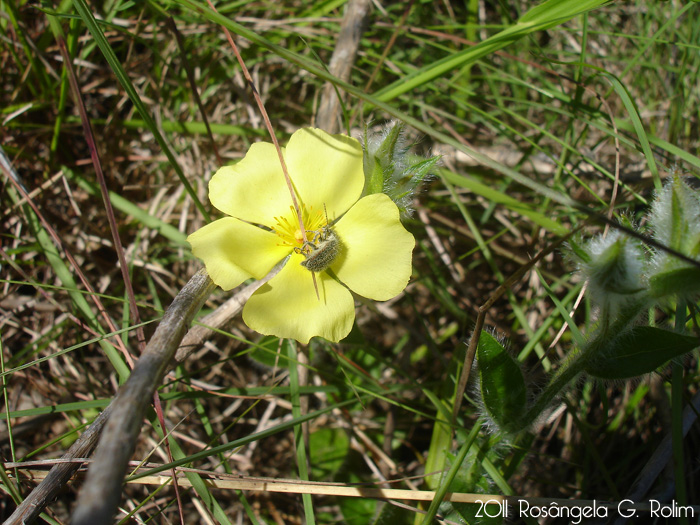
678,224
674,217
681,281
387,150
375,180
638,352
414,175
382,161
579,252
502,383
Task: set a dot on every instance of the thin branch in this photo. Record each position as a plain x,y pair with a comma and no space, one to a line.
268,124
99,498
62,471
503,288
341,63
46,491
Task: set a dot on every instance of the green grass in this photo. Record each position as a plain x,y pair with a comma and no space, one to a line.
526,110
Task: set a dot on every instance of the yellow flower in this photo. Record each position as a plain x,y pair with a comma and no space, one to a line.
351,242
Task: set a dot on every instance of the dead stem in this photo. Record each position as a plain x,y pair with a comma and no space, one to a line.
61,472
101,492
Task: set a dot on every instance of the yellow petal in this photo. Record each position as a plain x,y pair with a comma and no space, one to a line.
326,169
254,189
287,306
375,259
234,251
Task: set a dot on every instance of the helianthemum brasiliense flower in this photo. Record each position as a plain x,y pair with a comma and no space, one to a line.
351,242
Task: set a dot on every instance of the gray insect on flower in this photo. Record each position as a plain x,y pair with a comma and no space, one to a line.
321,250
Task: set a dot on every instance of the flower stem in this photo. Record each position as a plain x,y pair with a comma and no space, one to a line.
268,124
577,362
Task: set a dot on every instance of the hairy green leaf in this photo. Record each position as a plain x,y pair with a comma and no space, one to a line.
502,384
640,351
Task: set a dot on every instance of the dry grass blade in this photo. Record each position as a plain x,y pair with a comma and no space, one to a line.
534,145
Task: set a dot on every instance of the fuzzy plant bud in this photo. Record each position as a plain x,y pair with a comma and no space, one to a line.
613,267
675,221
390,168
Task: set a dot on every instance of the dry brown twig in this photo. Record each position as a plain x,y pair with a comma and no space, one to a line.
125,413
101,492
61,473
341,63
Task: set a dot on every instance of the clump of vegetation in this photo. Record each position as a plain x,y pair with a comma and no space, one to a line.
548,122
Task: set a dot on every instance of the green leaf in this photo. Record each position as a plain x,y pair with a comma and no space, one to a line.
358,511
683,281
355,511
487,512
328,448
266,353
451,474
440,443
640,351
502,384
473,478
578,251
393,515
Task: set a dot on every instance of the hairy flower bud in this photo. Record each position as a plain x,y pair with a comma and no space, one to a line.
675,221
390,168
613,267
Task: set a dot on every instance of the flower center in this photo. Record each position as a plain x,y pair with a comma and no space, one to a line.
321,246
287,226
